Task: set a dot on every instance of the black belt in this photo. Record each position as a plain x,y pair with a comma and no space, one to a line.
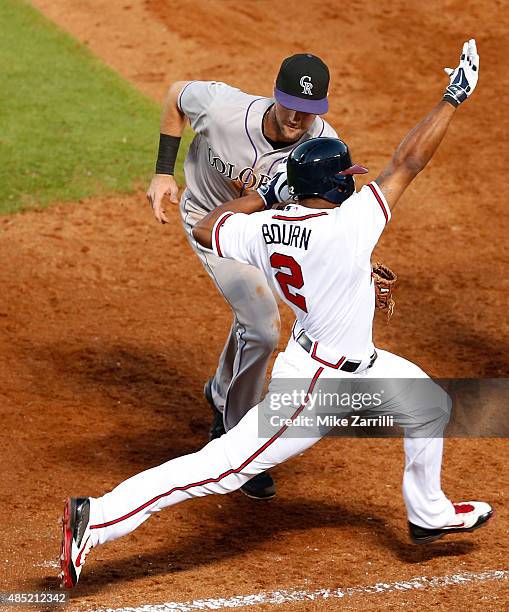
349,365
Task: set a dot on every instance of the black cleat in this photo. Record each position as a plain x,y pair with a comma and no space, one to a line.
217,426
260,486
469,516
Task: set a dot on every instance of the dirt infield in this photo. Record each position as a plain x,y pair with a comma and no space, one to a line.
106,337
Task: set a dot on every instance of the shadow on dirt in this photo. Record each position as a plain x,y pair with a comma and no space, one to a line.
131,408
140,375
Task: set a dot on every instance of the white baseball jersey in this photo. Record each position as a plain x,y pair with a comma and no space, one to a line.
320,262
229,152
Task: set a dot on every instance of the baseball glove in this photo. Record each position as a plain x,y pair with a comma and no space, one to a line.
384,279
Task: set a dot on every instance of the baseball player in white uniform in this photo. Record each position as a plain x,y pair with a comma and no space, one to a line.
317,253
239,141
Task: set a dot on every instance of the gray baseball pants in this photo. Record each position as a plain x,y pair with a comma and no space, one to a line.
240,376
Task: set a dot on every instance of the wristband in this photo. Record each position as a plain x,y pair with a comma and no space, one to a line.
167,154
455,94
448,98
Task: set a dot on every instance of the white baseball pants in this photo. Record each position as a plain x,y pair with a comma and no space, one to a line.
225,464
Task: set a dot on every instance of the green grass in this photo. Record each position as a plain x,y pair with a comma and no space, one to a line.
69,126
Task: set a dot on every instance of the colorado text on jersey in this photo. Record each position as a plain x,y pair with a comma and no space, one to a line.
246,176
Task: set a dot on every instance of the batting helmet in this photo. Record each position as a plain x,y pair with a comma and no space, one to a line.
322,168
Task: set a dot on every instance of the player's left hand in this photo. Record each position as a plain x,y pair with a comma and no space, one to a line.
463,79
160,186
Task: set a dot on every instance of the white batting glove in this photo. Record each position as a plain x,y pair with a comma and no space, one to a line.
463,79
276,190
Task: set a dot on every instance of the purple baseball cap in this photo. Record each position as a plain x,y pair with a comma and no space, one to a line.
302,84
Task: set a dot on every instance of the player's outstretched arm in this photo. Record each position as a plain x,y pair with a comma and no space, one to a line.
202,231
419,145
172,126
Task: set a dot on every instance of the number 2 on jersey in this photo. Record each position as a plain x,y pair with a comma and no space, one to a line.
294,279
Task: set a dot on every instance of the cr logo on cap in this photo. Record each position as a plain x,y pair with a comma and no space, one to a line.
307,86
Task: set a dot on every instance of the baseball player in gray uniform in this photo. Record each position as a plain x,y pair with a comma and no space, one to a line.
240,140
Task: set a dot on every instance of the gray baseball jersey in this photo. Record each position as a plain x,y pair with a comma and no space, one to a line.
229,153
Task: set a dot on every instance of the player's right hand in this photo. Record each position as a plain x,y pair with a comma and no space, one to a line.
463,79
160,185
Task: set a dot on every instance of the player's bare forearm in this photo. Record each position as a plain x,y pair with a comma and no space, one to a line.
171,128
202,231
420,144
414,152
172,119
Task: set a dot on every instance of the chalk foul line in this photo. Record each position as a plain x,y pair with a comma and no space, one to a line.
277,598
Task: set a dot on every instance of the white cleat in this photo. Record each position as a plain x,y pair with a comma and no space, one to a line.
469,516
